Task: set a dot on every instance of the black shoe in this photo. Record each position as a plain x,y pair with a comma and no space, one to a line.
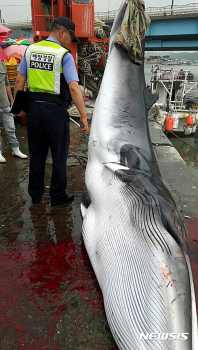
67,198
36,200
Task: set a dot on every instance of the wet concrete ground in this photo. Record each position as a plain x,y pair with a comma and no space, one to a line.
49,295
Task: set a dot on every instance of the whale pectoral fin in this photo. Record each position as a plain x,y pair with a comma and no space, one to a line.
115,167
83,210
150,99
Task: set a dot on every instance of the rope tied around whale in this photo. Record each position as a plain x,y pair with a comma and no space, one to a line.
133,30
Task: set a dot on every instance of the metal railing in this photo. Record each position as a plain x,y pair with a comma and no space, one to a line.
175,10
106,15
156,11
18,24
110,15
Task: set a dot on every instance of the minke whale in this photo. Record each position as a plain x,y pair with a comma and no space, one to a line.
131,229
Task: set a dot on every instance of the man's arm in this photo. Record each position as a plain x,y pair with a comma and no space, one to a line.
77,98
9,93
7,86
20,83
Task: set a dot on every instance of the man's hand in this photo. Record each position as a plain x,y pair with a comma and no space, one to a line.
77,98
20,83
21,114
84,122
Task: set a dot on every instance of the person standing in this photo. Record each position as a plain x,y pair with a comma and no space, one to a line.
6,99
47,10
52,82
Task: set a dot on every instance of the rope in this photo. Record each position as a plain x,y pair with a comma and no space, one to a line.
90,54
93,82
84,66
93,54
101,30
81,159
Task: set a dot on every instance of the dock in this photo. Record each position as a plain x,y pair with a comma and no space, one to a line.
183,187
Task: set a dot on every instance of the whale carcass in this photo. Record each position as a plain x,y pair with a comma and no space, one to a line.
131,229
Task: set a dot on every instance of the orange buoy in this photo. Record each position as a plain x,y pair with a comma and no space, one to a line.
169,122
189,120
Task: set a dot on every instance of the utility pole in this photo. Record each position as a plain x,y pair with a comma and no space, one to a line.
0,17
108,8
172,7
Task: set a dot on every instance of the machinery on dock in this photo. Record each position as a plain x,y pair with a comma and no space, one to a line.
91,54
81,12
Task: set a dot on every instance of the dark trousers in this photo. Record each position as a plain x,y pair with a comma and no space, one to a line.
47,127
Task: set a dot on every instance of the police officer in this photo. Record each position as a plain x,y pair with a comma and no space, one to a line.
52,82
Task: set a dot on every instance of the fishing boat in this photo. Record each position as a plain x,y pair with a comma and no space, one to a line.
177,105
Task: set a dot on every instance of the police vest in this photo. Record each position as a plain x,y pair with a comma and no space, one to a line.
45,79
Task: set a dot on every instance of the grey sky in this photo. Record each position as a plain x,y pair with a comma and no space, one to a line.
19,10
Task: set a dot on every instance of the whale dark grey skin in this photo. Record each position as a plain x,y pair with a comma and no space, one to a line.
131,229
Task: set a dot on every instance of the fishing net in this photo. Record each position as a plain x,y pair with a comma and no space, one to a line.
133,30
